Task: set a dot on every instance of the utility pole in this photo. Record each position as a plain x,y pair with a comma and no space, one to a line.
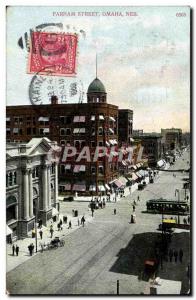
117,287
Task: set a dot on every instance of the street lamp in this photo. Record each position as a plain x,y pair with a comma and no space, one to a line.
177,191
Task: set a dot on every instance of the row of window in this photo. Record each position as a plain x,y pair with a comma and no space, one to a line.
67,169
64,119
82,131
11,177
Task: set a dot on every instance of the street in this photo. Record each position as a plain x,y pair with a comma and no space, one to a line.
108,248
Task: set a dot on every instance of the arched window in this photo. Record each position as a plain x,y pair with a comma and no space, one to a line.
15,177
10,179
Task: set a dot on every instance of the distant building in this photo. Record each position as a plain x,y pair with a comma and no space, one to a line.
138,132
31,185
171,138
152,147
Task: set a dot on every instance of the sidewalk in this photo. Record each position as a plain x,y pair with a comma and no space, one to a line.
14,261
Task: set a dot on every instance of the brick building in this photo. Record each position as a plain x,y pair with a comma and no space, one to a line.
91,124
152,144
172,138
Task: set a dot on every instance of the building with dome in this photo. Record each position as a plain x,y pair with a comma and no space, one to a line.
80,125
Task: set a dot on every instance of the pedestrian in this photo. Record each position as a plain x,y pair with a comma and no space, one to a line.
133,208
134,202
104,203
184,221
170,255
82,221
31,247
92,210
51,231
180,255
58,226
70,226
41,234
13,249
138,198
17,250
65,219
176,255
114,211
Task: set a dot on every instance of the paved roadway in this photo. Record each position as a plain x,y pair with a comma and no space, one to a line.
106,250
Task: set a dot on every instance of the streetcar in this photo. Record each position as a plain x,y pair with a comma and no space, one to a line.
167,206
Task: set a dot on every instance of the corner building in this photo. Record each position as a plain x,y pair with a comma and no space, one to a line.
91,124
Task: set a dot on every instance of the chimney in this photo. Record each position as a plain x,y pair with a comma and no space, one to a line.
54,99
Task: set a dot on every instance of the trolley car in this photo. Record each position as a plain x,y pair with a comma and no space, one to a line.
167,207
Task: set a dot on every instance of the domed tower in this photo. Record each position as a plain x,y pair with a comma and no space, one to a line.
96,92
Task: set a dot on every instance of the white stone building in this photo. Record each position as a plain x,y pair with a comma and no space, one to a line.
31,184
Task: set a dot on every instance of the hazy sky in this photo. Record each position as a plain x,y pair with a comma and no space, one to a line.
143,60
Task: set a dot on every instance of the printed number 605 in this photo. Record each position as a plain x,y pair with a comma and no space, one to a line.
181,14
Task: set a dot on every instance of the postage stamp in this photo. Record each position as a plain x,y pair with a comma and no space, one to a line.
53,52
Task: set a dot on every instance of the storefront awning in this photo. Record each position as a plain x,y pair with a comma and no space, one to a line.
123,180
78,119
118,183
124,163
134,177
79,187
79,130
107,187
8,230
111,130
101,117
101,188
112,119
44,119
67,167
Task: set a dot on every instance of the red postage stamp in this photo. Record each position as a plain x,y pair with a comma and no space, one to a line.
54,53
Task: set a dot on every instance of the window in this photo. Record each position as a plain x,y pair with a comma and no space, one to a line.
93,131
62,169
7,183
15,131
100,131
68,131
15,177
43,121
62,142
62,131
29,131
101,117
44,131
53,169
8,121
93,170
8,131
68,120
101,170
34,130
77,144
100,143
93,144
63,119
10,179
20,131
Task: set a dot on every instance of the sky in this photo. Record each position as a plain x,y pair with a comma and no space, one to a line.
143,59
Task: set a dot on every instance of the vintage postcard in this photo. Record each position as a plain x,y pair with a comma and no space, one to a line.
98,180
